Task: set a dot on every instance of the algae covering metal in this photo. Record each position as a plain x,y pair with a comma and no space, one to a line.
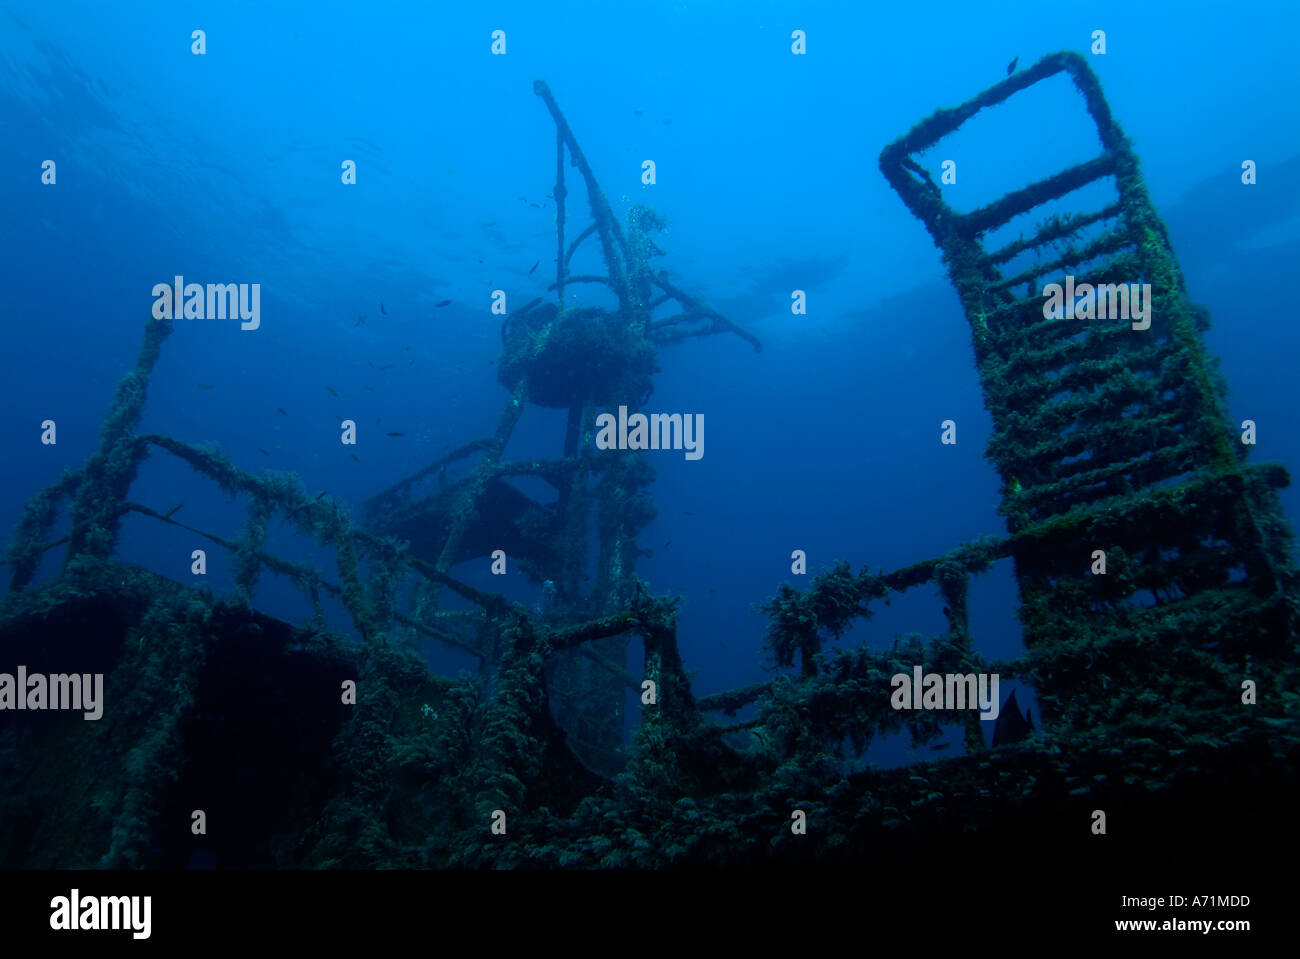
1140,533
1110,440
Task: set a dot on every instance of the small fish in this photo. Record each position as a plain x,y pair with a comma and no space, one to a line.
370,388
687,512
370,363
537,206
339,417
638,113
387,366
938,746
378,420
713,590
361,320
381,308
171,512
441,303
354,456
281,411
666,545
320,495
263,452
405,348
205,386
396,434
667,120
534,266
332,392
1011,67
494,222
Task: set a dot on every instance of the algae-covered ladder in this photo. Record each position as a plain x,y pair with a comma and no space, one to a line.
1109,438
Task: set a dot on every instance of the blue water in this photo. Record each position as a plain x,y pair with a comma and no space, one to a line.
226,168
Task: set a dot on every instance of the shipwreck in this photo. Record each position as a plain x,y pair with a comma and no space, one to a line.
1107,438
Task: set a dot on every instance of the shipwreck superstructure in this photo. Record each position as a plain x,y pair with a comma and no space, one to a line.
1107,439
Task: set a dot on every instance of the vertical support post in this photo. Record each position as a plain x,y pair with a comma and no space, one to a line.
98,508
249,566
